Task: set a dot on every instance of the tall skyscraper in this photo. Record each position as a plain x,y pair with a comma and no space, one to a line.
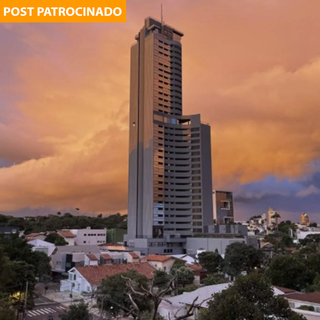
170,179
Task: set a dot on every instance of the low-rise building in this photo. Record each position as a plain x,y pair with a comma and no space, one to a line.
67,235
42,246
199,244
89,236
87,279
8,231
160,262
67,257
178,305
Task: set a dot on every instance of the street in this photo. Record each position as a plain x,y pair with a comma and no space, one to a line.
43,312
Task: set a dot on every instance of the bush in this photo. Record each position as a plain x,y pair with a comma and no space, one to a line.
188,288
308,308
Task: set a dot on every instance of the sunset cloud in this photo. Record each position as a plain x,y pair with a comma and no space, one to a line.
251,68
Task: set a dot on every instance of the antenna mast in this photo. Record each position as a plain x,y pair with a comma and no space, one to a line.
161,16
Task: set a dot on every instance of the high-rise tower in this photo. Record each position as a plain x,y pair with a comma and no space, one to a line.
170,180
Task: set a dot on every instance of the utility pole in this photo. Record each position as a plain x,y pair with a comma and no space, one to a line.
101,308
25,301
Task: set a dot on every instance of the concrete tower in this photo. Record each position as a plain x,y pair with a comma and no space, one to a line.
170,178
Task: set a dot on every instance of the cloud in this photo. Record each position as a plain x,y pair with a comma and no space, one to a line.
64,91
306,192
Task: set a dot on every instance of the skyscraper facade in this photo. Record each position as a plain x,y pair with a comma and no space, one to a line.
223,212
170,178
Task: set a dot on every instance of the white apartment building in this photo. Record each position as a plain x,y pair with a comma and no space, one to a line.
89,236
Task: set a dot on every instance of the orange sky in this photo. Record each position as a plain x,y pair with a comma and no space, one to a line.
251,68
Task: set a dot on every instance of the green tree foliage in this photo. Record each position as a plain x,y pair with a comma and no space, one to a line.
310,238
213,278
113,292
178,263
280,240
56,239
212,261
161,279
183,276
250,297
41,264
77,312
6,310
240,257
6,272
290,271
19,265
66,220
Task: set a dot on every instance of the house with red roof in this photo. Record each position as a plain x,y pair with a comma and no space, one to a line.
67,235
160,262
87,279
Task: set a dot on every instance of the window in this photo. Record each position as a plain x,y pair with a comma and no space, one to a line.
72,276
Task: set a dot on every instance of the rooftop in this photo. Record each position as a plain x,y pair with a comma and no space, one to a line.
66,233
92,257
95,274
313,297
159,258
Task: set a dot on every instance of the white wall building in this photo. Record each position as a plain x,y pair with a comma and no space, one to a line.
89,236
43,246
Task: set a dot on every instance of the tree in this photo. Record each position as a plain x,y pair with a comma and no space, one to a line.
56,239
77,312
6,311
213,278
178,263
276,216
310,238
251,297
6,272
212,261
289,271
183,276
161,278
240,257
42,264
113,293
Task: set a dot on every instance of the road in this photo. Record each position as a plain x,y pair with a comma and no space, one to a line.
43,312
46,307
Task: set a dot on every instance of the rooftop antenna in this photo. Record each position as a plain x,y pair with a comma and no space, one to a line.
161,16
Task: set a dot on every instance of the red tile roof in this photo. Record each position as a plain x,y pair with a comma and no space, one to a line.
285,290
95,274
33,234
134,255
92,257
159,258
194,267
106,256
313,297
66,233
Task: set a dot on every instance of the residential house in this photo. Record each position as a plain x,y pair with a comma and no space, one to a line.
310,299
198,271
68,236
105,258
132,257
160,262
67,257
43,246
35,236
8,231
178,305
87,279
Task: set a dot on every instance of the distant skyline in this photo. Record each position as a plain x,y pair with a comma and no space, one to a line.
251,68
